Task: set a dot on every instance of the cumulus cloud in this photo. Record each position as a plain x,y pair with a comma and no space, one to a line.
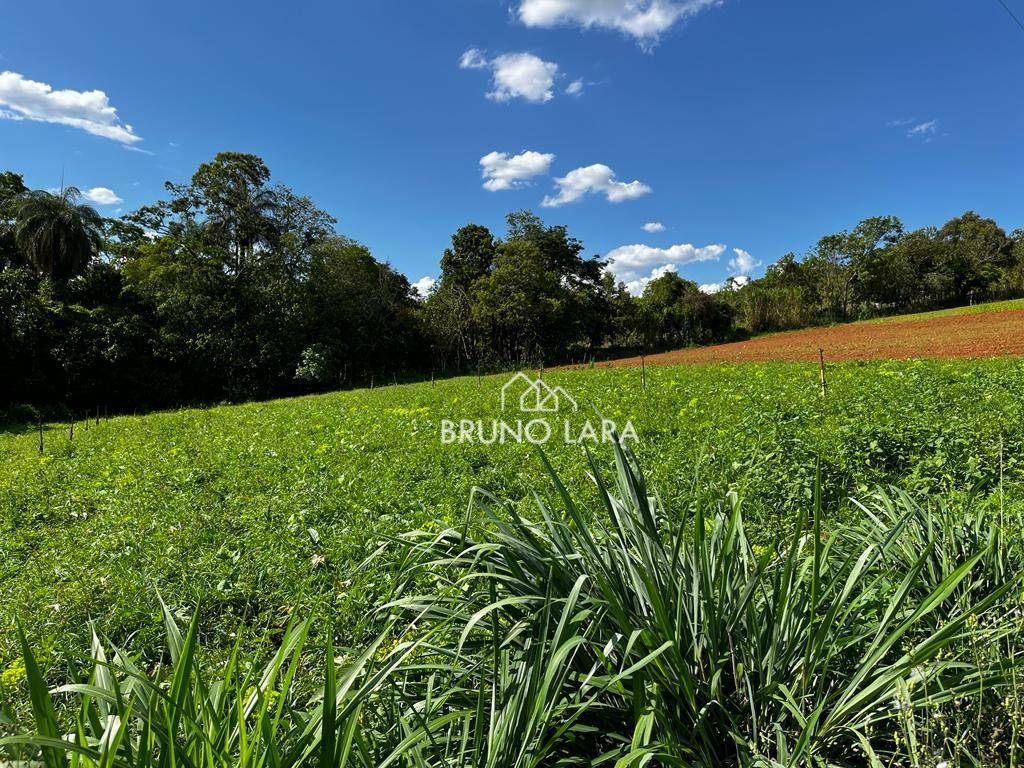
654,226
101,196
710,288
636,265
425,285
503,171
644,20
90,111
522,76
627,260
515,75
575,88
743,263
594,179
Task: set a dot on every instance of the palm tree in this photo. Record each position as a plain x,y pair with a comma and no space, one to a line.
57,234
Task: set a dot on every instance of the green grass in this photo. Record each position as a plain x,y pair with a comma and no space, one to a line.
1009,305
259,512
613,635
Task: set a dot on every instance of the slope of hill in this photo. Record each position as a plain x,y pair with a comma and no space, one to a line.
261,510
980,331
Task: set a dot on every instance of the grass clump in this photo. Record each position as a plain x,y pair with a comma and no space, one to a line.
620,637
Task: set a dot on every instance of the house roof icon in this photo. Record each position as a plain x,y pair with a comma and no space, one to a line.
536,395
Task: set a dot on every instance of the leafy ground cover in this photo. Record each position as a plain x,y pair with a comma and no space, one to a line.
621,635
259,512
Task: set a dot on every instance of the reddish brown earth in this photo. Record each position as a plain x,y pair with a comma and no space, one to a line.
989,334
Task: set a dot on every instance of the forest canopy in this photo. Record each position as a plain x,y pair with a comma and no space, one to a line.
232,287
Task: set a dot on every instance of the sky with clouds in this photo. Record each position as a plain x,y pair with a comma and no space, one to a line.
705,137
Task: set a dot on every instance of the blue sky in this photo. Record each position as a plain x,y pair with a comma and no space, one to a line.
749,125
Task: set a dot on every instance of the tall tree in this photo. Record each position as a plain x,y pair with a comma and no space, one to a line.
238,204
12,189
56,234
675,312
977,250
470,257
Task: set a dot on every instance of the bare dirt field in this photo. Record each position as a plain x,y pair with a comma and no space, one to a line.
987,334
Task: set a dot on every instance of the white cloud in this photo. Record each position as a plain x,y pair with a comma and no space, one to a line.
916,129
522,76
23,99
594,179
518,76
473,58
923,129
736,281
638,286
644,20
503,171
101,196
425,285
627,260
654,226
636,265
743,263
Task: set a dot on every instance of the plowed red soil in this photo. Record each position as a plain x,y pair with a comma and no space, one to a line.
991,334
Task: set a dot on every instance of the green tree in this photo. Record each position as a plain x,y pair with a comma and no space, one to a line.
529,298
12,188
56,234
470,257
868,247
363,316
517,303
977,252
675,312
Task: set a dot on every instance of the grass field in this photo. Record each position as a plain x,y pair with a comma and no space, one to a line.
257,511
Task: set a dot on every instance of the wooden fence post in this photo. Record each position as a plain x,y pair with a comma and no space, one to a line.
821,371
643,371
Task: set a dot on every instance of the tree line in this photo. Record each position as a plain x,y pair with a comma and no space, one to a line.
233,288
